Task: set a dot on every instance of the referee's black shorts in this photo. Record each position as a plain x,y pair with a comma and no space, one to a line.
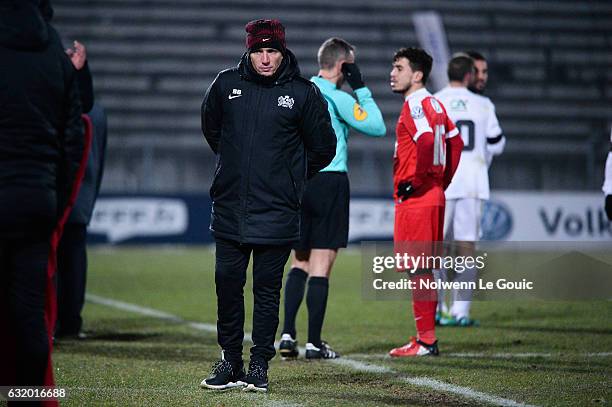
325,212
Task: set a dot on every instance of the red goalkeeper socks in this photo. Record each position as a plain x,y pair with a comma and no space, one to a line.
424,304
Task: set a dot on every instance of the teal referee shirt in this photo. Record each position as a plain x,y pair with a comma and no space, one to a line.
362,115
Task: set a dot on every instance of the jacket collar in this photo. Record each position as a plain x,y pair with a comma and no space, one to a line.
288,70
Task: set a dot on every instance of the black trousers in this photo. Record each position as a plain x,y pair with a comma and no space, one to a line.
231,264
23,278
71,278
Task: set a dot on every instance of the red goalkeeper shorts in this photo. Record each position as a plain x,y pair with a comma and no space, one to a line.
416,232
421,224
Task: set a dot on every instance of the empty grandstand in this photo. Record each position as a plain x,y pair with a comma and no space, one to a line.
153,60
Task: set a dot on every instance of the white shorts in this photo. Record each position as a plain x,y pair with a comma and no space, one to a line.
462,219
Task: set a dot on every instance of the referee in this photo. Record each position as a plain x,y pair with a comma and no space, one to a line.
325,221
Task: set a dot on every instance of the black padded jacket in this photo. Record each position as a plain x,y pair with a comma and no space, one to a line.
41,132
269,135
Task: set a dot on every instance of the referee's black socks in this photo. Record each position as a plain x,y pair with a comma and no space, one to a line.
294,292
316,300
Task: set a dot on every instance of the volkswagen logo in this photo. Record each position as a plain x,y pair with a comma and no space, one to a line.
496,222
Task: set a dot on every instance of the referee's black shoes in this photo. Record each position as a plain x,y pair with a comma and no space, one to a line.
288,347
322,352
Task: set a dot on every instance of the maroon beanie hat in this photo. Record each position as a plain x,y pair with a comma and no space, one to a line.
265,34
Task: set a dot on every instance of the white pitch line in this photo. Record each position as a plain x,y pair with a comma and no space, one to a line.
346,362
431,383
126,306
482,355
464,391
510,355
150,312
361,366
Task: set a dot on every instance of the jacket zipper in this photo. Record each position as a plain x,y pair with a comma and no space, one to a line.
246,189
295,191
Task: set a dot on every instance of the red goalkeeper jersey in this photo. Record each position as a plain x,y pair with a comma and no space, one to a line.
420,155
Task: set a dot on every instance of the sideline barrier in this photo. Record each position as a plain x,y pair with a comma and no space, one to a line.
507,216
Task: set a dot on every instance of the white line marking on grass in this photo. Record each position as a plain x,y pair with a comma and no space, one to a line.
203,327
493,355
150,312
510,355
598,354
465,392
363,367
428,382
126,306
502,355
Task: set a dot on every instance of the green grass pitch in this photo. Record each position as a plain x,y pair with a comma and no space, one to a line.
562,350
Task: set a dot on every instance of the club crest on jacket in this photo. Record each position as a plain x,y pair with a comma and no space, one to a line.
285,101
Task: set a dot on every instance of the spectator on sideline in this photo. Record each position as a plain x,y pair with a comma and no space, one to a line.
269,127
325,222
41,146
72,250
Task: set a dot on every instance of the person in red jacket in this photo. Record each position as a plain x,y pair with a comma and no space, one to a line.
427,152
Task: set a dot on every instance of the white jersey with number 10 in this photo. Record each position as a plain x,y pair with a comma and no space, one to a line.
474,116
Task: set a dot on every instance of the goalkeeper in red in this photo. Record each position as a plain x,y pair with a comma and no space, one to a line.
427,152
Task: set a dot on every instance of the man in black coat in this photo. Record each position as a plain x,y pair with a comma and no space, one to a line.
270,129
72,249
41,146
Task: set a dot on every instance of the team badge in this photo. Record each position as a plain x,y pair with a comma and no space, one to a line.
285,101
436,106
417,112
358,112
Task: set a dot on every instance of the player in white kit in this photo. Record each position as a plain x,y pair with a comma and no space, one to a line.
474,116
607,186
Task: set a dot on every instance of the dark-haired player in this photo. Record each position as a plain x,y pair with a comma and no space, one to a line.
474,116
481,72
427,153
